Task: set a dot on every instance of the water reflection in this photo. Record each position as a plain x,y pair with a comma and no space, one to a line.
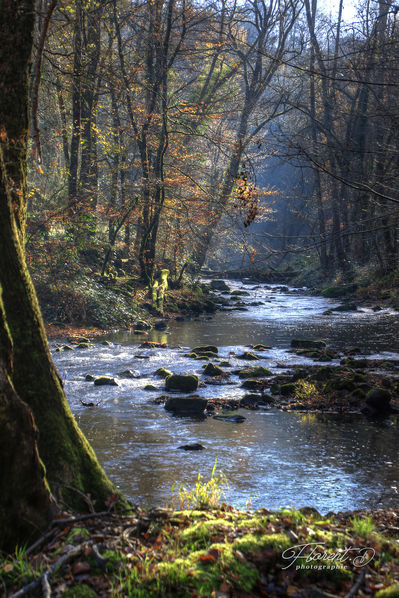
273,458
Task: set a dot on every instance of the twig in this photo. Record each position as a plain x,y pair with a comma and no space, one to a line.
37,582
46,585
357,585
40,540
80,518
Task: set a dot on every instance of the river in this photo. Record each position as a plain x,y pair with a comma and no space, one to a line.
274,458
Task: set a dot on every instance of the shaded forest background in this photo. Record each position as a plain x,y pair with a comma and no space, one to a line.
177,135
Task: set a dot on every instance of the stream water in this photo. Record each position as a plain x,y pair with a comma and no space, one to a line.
273,458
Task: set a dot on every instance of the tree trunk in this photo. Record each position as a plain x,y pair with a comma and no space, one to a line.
26,506
67,456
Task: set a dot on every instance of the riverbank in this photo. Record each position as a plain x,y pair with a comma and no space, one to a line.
205,552
88,305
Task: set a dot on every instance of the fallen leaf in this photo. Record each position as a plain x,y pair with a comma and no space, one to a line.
80,567
207,559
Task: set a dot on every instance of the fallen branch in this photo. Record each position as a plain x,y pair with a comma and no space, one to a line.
72,520
46,588
357,585
45,582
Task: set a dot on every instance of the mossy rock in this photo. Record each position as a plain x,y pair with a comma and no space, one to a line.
105,381
162,373
90,378
340,384
345,307
323,374
219,285
248,356
358,393
260,347
288,389
150,387
182,383
205,349
213,370
225,364
251,384
301,343
240,294
67,348
355,363
334,292
191,355
389,592
256,371
107,343
142,325
186,405
84,345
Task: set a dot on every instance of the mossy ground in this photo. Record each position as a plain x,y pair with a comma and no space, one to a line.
221,552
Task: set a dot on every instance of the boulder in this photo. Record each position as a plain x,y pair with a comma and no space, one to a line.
150,387
129,374
192,447
213,370
299,343
288,389
107,343
182,383
162,373
105,381
84,345
249,356
345,307
260,347
256,371
142,325
186,405
240,294
339,290
219,285
89,378
251,384
67,348
205,349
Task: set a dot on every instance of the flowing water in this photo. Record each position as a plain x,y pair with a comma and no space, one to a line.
273,458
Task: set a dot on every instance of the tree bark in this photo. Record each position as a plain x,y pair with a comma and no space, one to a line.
66,454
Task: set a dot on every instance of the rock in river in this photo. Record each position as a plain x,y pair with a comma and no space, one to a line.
162,373
256,371
182,383
192,447
219,285
248,355
186,405
213,370
105,381
205,349
129,374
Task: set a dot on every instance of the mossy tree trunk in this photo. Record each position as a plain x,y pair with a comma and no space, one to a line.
26,505
68,458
